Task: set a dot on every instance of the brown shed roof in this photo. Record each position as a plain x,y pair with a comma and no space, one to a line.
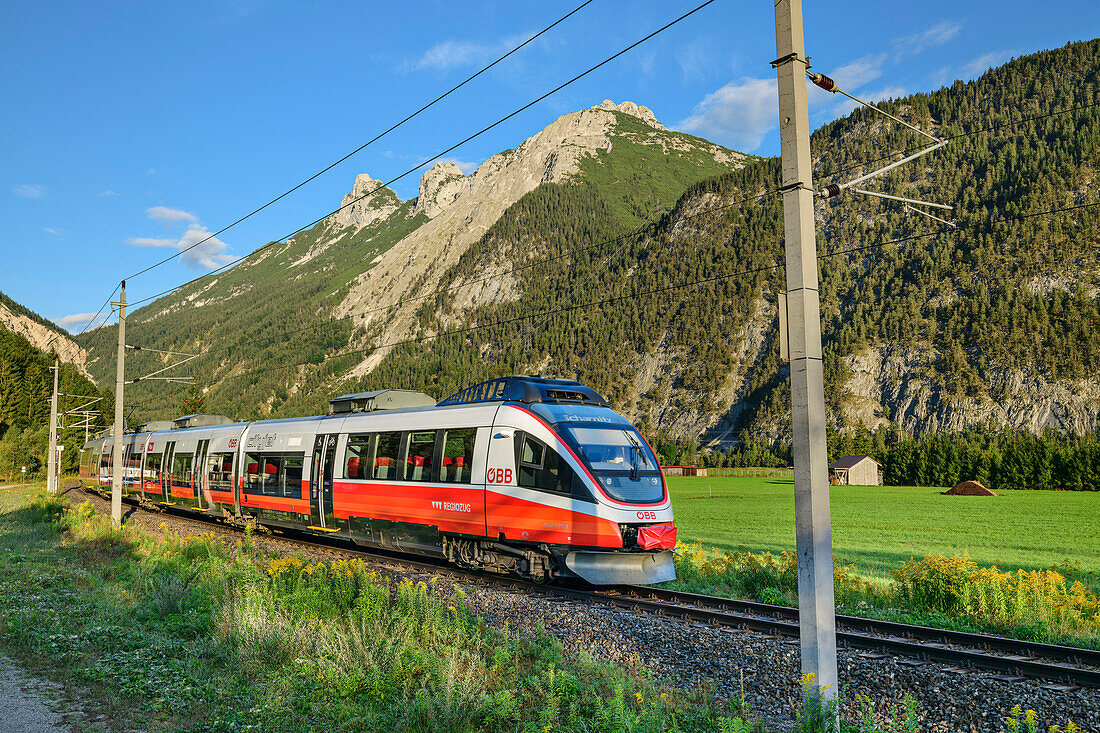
849,461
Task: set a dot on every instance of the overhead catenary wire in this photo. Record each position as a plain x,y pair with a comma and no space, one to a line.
705,212
653,291
373,140
101,309
440,154
840,171
526,266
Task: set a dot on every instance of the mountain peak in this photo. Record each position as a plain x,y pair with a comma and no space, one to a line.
368,202
439,187
645,114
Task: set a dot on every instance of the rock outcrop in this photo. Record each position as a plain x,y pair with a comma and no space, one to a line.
44,338
439,188
377,203
462,208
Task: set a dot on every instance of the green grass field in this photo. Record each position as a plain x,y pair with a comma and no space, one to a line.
877,527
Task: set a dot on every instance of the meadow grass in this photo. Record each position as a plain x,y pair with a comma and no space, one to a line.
876,528
197,633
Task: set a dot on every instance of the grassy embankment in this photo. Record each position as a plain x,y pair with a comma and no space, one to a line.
199,634
895,549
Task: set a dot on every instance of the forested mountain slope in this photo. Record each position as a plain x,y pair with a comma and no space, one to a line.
26,384
996,321
371,265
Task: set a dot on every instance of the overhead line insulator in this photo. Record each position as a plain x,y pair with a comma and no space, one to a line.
824,82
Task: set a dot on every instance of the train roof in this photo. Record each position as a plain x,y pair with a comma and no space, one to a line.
529,390
557,399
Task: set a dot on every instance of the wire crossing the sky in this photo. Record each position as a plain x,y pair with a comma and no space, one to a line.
374,139
441,153
976,226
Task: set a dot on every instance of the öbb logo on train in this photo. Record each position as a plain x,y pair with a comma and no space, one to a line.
647,515
499,475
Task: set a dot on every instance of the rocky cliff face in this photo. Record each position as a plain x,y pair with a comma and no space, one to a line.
377,204
890,382
462,208
44,338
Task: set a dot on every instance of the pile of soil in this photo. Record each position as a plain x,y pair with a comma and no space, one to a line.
969,488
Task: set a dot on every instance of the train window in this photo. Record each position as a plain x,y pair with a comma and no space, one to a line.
458,454
357,456
292,476
181,469
421,448
385,456
540,467
152,467
269,476
274,474
252,483
219,471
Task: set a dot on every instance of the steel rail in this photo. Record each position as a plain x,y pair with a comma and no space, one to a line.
971,651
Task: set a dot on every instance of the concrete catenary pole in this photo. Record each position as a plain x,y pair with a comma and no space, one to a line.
813,532
51,461
117,468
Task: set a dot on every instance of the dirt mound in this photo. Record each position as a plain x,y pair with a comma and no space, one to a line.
969,488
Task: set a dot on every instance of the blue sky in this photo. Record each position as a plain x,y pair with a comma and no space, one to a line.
133,128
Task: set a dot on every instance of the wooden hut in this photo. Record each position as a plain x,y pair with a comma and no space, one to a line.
856,471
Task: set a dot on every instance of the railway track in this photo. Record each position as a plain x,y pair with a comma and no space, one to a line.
1062,668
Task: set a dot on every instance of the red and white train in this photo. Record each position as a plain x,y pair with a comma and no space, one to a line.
521,475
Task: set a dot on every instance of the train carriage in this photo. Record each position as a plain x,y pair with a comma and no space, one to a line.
522,475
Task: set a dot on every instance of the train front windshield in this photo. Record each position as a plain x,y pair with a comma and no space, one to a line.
620,460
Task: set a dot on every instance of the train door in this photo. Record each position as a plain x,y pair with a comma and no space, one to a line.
500,477
198,471
105,464
166,470
320,480
124,469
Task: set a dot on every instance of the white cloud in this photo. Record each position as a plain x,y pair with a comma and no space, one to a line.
973,68
152,242
453,54
109,194
211,253
151,171
694,60
855,74
30,191
738,114
76,319
170,217
937,35
59,233
981,64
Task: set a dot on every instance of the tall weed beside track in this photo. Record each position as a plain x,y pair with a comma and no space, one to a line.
1041,605
410,656
771,578
1029,599
185,633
